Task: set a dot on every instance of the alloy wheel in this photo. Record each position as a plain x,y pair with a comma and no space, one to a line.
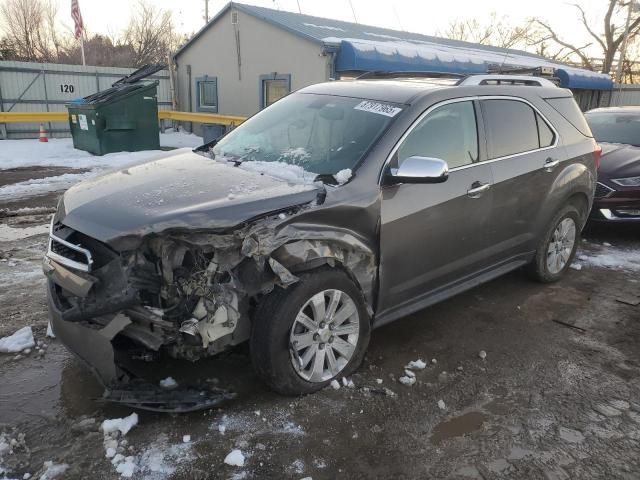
561,245
324,335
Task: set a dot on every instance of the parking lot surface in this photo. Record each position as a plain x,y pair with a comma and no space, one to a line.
522,380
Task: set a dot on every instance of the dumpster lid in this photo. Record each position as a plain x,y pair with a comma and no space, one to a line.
110,94
139,74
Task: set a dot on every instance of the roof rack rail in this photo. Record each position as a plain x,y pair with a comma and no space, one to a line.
502,79
422,74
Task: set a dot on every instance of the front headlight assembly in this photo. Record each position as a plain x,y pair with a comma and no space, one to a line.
627,182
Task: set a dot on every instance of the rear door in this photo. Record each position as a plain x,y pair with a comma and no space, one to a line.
524,159
434,234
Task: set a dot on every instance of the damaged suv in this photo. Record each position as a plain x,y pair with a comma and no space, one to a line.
342,207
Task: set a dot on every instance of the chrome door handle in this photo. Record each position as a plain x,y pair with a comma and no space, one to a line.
478,189
550,164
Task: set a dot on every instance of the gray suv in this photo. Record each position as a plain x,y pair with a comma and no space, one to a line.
340,208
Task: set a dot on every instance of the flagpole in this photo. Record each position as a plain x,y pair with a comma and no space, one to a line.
82,49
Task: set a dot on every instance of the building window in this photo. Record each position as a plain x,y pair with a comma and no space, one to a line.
207,94
273,87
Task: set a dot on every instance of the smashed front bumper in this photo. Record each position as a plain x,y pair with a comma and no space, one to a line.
92,343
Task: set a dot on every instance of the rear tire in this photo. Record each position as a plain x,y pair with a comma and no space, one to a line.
557,247
287,332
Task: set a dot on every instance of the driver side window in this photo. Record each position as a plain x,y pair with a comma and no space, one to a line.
449,133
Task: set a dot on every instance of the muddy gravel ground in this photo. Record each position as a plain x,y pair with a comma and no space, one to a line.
557,396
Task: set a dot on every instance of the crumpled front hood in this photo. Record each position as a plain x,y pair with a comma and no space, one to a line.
179,190
619,161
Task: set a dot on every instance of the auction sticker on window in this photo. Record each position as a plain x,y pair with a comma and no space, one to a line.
379,108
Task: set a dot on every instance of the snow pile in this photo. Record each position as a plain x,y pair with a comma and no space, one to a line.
20,340
235,458
123,425
611,257
59,152
347,382
53,470
406,380
416,365
168,383
43,185
343,176
112,429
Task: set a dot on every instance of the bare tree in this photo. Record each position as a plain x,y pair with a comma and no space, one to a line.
609,39
151,34
497,31
23,22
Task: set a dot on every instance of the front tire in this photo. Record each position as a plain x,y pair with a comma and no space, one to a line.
557,248
310,333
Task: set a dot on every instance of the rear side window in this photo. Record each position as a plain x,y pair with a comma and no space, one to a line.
545,134
511,127
568,108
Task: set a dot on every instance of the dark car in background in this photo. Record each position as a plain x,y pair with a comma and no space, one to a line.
617,130
339,208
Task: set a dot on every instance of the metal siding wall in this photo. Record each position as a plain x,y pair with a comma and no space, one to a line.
623,95
16,76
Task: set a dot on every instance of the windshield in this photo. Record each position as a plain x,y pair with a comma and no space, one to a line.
615,127
322,134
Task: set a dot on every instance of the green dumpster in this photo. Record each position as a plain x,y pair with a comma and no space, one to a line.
121,118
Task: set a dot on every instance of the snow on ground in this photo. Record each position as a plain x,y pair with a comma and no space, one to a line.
59,152
53,470
20,340
607,256
179,139
8,234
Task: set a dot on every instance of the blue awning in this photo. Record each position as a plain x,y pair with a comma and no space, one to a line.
355,55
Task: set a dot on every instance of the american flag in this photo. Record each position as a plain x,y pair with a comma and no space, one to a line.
77,18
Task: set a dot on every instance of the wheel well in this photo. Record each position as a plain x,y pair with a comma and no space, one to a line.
581,202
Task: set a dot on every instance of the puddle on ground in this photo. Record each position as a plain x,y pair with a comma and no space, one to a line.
45,387
457,427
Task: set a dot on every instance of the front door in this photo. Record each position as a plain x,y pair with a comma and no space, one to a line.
434,235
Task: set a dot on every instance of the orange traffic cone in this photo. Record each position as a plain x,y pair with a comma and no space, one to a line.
43,134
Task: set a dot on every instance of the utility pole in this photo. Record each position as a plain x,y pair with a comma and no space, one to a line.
355,19
206,11
623,48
